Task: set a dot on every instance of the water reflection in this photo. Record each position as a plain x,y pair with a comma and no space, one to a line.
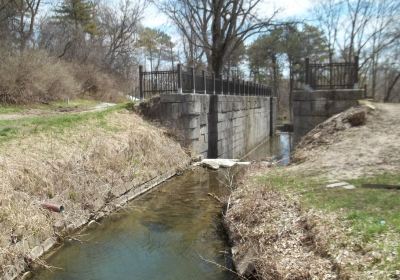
164,235
277,149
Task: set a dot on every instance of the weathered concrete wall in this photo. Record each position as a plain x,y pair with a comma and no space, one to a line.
223,126
313,107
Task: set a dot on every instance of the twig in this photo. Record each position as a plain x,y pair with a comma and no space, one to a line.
45,265
216,198
229,202
223,267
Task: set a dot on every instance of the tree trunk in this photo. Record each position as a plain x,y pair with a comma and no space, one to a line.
390,88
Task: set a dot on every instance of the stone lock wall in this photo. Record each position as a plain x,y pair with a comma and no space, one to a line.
218,126
311,107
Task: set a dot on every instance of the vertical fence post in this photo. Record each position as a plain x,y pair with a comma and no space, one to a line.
141,93
203,73
330,71
179,70
213,78
221,83
227,86
193,80
307,70
355,71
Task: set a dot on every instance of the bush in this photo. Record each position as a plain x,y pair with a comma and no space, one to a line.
33,76
97,84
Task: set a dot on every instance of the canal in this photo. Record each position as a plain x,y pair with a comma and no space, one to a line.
173,232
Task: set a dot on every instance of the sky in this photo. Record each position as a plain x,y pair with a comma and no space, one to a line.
288,8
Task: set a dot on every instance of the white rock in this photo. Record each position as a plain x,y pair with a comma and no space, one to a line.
337,185
222,162
343,185
210,164
49,243
37,252
349,187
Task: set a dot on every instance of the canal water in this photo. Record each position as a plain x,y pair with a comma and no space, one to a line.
173,232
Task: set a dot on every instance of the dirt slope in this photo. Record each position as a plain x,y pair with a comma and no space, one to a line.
285,224
354,151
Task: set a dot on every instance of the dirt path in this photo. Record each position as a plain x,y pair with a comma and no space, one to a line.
58,111
357,151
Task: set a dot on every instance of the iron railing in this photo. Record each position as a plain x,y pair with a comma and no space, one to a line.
333,75
188,80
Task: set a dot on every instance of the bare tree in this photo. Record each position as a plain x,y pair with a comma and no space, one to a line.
22,24
217,26
194,55
368,29
119,29
327,14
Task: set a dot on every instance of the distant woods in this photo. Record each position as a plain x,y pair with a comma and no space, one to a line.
94,47
337,30
91,48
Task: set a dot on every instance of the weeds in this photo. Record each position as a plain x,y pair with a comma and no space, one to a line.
371,215
78,168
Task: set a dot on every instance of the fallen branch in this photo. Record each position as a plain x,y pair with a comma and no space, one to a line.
223,267
215,197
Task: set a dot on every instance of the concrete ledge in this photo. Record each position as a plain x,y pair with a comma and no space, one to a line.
335,94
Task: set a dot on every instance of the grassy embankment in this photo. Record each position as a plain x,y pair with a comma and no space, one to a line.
47,118
82,160
293,227
353,234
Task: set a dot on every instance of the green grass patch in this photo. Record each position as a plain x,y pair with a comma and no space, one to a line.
75,104
10,129
370,211
372,214
10,109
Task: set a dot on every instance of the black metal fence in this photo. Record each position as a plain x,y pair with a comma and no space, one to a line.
188,80
334,75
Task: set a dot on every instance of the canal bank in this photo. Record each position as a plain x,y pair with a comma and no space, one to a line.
90,163
172,232
315,219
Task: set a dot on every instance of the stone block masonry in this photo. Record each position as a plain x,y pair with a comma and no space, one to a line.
218,126
311,108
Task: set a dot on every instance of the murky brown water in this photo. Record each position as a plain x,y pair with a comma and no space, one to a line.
168,233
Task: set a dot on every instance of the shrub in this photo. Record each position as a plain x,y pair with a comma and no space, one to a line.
98,84
33,76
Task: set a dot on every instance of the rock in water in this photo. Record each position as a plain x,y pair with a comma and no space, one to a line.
221,162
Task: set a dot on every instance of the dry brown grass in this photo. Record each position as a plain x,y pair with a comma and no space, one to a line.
273,238
34,77
99,85
81,168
